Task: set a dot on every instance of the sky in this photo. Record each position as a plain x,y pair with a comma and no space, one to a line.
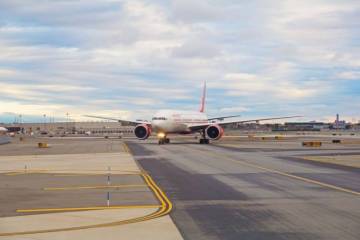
127,59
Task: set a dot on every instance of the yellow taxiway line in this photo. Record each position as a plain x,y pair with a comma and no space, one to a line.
78,174
163,209
308,180
94,187
126,149
329,159
84,208
21,172
58,172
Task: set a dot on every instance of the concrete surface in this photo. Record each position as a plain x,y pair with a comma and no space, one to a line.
74,174
159,228
70,163
45,190
60,146
68,219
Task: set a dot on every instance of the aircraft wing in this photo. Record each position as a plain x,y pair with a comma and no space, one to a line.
224,123
223,117
120,120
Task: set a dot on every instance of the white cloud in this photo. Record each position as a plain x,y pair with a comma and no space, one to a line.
349,75
190,11
277,80
6,73
196,49
135,55
31,109
234,109
39,93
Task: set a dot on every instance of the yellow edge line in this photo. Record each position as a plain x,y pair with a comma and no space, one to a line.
166,203
77,174
93,187
163,195
115,172
320,161
164,209
92,174
300,178
127,149
84,208
287,174
25,172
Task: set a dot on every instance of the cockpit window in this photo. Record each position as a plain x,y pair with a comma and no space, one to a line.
159,118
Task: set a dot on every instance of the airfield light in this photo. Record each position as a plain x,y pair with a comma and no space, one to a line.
161,135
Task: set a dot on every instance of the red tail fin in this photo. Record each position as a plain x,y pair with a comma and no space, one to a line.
203,97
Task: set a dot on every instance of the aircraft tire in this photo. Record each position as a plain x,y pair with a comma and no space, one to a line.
204,141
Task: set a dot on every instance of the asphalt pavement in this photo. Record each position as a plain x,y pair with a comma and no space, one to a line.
223,192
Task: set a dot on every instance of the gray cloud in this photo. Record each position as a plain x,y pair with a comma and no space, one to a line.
252,53
196,49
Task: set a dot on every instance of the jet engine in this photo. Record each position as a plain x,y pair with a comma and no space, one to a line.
214,132
142,131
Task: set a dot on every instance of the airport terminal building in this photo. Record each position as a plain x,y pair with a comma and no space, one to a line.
98,128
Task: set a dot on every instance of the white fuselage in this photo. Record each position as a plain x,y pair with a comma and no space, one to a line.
172,121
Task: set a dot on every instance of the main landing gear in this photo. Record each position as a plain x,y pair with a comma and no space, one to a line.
203,139
164,141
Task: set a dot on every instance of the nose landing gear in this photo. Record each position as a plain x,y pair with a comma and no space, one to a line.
164,140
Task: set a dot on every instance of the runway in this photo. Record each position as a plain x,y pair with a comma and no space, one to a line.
222,192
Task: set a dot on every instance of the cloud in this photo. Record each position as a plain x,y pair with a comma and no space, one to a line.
234,109
31,109
278,80
132,56
196,49
38,93
349,75
196,11
6,73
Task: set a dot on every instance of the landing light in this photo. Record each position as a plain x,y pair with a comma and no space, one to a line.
161,135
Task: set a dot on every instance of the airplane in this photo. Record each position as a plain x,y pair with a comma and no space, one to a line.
4,138
166,122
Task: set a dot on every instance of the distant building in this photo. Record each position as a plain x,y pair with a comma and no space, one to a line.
301,126
356,126
251,126
66,128
339,124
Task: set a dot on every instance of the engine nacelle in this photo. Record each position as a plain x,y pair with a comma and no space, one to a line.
142,131
214,132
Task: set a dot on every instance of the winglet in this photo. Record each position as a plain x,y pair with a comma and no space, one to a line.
203,97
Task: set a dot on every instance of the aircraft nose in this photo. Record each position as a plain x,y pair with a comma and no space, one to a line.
159,125
155,125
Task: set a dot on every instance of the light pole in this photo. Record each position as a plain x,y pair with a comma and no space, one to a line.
67,122
44,122
20,121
